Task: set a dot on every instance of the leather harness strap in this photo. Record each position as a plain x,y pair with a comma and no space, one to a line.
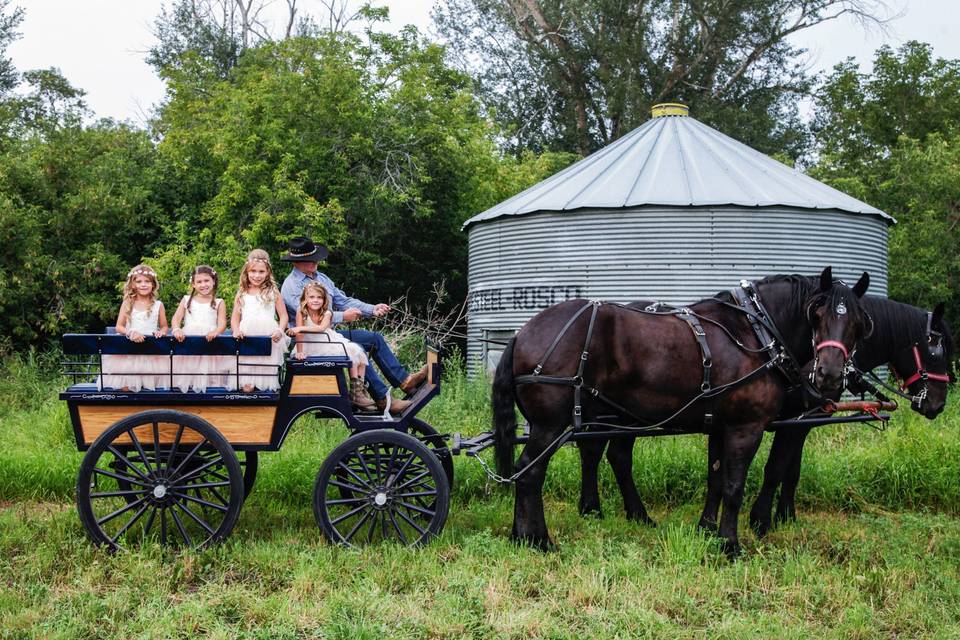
706,358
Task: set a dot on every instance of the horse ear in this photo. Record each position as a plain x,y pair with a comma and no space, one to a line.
862,285
937,315
826,279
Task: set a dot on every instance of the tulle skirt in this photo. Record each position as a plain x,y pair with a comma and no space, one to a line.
328,343
135,372
203,371
261,371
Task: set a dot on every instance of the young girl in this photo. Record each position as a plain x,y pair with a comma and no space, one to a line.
141,315
202,314
258,310
316,338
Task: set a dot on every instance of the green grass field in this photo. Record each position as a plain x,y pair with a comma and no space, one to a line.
875,553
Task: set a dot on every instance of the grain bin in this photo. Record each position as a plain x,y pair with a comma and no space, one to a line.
673,211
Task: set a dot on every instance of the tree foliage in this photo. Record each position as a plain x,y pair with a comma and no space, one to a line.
574,75
891,137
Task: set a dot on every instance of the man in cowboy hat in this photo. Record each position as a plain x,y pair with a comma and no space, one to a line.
305,256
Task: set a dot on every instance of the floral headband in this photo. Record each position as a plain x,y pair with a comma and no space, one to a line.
263,260
213,272
141,272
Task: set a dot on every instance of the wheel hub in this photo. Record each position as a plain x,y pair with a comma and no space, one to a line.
380,499
160,491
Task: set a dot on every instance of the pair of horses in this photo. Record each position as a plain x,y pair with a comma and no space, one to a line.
730,379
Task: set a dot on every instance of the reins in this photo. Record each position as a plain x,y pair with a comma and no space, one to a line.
768,335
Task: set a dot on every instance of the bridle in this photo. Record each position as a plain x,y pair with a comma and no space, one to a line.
935,344
835,344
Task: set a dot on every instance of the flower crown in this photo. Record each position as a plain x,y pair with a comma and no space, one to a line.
141,272
213,272
263,260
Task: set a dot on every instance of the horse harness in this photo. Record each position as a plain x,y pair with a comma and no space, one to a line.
747,302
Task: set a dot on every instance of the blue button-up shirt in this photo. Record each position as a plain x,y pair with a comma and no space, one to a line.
293,286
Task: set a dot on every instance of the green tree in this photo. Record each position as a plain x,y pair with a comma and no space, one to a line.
891,137
373,145
573,75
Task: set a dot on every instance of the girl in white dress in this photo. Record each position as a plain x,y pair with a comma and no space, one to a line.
315,337
202,314
140,315
258,310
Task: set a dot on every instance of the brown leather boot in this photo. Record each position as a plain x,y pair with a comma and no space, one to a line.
414,380
359,397
396,405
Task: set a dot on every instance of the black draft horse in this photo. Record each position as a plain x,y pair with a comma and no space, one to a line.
917,345
919,348
651,366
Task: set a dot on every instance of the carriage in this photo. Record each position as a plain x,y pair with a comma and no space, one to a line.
176,466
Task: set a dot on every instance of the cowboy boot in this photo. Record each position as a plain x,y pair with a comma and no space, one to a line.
359,396
414,380
397,405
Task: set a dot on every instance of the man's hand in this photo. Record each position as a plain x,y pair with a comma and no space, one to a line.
381,309
351,314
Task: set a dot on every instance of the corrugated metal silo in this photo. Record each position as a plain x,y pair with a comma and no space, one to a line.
673,211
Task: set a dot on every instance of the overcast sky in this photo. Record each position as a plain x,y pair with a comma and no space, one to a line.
99,45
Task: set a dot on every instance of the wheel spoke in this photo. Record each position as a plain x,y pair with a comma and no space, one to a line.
396,527
121,510
422,474
156,442
348,486
402,470
348,514
366,486
420,494
420,510
194,516
200,485
150,519
181,528
366,468
135,517
346,501
163,526
117,494
373,527
121,477
139,447
212,505
359,524
411,522
194,472
175,445
119,456
192,453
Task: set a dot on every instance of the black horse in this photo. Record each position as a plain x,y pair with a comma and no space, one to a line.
649,365
919,348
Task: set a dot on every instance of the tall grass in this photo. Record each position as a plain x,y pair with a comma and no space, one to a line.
875,554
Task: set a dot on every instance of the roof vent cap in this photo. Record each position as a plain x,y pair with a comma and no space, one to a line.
669,109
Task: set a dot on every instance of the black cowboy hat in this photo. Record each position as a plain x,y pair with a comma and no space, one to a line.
302,249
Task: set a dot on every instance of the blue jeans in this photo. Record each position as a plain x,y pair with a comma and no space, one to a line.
379,351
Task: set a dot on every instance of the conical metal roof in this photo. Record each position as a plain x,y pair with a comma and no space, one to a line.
674,160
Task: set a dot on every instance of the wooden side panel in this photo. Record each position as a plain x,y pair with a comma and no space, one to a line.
314,386
238,424
432,358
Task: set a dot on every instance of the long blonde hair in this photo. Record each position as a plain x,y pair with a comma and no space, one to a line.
130,294
304,312
268,290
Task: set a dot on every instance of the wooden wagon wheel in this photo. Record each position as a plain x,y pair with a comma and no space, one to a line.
395,489
140,481
249,463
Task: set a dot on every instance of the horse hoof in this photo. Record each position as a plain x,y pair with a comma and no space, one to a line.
592,512
642,518
707,527
731,549
540,543
761,527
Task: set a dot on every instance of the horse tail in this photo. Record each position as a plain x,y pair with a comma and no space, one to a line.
504,416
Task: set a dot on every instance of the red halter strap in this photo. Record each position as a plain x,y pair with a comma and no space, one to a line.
835,344
921,372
